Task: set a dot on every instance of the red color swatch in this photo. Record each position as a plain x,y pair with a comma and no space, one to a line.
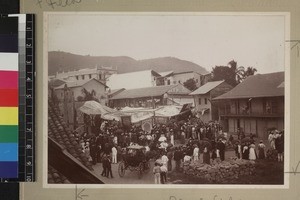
9,98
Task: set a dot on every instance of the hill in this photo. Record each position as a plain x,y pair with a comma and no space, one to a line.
61,61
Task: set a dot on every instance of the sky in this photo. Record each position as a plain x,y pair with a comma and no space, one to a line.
207,40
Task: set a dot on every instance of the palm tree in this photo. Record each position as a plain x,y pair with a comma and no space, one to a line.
249,72
237,72
88,96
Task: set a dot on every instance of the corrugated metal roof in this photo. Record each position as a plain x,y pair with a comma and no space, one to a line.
206,87
78,83
148,92
260,85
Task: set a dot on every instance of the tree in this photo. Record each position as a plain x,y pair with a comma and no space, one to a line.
232,74
237,71
190,84
87,96
223,73
249,72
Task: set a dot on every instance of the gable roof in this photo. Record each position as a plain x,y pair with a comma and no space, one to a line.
149,92
165,74
56,82
79,83
260,85
207,87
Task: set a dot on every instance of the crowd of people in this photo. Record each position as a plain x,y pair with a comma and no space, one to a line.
179,140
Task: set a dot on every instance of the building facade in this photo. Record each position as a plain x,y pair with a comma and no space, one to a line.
205,108
133,80
152,97
99,73
75,90
171,78
254,106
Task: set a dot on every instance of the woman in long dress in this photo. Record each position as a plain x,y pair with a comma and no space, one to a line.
206,156
245,153
252,155
261,150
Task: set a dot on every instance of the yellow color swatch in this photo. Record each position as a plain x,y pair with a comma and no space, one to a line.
9,116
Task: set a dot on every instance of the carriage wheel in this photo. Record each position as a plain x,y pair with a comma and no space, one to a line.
121,169
140,170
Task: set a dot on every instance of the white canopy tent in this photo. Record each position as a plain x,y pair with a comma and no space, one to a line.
95,108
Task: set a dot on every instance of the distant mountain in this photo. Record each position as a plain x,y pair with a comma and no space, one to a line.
59,61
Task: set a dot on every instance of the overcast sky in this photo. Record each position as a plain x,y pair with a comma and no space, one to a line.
210,40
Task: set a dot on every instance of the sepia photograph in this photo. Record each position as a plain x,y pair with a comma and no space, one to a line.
166,98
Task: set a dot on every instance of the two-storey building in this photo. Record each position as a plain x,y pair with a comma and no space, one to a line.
254,106
205,108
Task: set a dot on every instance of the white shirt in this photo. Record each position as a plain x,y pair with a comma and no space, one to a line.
186,158
114,150
196,151
164,159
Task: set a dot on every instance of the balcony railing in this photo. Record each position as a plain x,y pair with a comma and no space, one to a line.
250,114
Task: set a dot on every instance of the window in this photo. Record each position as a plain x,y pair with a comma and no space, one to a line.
205,100
169,82
90,76
199,101
76,77
82,77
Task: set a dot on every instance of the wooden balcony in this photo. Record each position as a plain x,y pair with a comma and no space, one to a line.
257,115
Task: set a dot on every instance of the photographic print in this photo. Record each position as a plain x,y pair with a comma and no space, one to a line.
166,99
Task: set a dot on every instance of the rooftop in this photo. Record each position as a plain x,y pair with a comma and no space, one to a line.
150,92
206,87
165,74
79,83
260,85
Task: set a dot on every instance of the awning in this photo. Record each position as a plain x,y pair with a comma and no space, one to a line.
95,108
168,111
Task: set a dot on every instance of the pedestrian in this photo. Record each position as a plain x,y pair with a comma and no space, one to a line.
245,153
114,155
196,153
163,174
206,156
252,153
104,165
177,158
261,150
279,144
172,137
238,150
182,137
271,139
221,147
156,172
170,158
108,169
164,159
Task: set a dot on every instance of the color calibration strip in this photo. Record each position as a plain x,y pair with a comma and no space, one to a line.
17,80
9,97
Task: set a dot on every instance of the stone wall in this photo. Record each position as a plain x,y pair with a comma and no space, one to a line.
220,172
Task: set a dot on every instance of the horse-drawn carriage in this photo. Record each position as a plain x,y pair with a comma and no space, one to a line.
134,159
